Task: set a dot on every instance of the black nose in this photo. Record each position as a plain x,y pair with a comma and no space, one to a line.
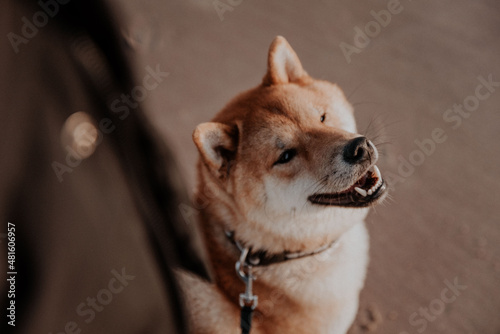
356,150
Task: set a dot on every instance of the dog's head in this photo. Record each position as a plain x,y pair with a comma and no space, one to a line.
288,157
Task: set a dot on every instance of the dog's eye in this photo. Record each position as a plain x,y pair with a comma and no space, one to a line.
322,119
286,156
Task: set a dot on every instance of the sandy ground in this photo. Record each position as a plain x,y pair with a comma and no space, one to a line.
440,226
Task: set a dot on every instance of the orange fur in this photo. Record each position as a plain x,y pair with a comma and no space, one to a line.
266,205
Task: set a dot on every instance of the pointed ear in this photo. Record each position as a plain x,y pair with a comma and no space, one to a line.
283,65
217,145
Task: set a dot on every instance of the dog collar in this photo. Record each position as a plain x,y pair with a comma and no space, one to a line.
263,258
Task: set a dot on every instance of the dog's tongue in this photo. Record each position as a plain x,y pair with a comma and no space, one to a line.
361,182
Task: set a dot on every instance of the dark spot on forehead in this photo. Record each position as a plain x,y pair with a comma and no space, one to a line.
280,143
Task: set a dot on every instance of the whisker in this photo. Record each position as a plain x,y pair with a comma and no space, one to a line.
382,143
318,182
318,187
354,104
355,89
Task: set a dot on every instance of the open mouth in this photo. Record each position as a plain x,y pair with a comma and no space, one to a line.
364,192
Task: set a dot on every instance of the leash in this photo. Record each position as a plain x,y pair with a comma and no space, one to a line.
244,265
248,301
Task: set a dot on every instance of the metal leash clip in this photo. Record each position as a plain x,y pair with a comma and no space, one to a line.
247,298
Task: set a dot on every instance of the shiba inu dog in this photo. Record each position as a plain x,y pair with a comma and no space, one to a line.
287,182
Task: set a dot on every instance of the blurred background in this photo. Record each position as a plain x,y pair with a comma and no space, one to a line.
404,65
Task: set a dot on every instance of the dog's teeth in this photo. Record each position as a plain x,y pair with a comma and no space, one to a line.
360,191
377,172
374,169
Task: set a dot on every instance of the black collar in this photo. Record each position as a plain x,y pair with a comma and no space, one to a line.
263,258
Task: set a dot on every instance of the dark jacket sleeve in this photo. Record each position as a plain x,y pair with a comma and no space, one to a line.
97,235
